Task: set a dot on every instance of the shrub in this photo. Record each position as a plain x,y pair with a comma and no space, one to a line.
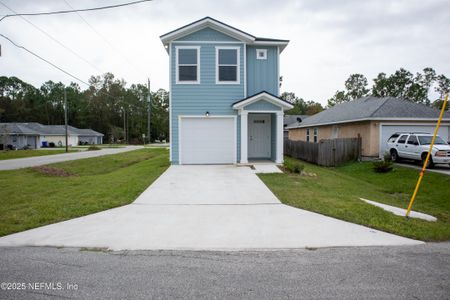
93,148
51,145
294,167
383,166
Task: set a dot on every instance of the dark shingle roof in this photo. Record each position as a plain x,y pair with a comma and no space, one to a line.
291,119
16,128
370,107
34,128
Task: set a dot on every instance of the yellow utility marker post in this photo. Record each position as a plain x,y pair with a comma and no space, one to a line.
426,160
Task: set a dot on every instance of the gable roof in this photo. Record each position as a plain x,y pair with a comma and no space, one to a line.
262,96
291,119
223,28
16,128
34,128
372,108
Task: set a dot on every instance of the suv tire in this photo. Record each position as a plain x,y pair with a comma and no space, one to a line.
394,156
430,161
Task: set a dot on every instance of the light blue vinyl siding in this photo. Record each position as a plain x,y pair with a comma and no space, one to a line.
207,34
197,99
262,75
262,105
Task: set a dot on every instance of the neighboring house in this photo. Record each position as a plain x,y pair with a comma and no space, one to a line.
34,135
373,119
224,87
54,134
18,135
88,136
291,119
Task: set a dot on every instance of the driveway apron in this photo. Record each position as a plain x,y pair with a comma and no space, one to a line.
205,208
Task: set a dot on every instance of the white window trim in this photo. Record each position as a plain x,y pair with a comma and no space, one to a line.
316,135
263,51
177,81
238,57
308,136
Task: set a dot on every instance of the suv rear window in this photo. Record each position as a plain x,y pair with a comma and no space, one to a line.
402,139
393,138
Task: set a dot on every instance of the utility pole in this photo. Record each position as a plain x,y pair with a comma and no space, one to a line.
124,125
65,119
149,111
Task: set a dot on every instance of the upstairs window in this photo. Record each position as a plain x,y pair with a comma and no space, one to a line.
188,65
227,61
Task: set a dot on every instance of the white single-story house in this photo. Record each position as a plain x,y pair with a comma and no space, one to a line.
18,136
35,135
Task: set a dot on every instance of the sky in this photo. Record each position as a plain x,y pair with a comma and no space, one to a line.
329,40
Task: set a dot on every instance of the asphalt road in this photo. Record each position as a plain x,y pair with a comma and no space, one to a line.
26,162
402,272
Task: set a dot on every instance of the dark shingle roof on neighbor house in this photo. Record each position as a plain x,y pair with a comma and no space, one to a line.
34,128
372,108
291,119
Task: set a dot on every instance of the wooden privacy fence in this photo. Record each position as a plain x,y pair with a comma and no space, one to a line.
328,153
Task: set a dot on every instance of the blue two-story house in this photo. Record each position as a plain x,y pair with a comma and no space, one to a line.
224,87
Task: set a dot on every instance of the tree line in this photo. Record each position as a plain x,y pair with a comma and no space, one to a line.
401,84
107,106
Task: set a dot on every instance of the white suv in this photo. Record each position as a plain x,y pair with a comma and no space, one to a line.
415,146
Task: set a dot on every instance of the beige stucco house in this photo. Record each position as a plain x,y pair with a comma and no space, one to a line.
373,119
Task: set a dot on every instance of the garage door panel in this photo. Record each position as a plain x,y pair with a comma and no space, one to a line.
388,130
207,140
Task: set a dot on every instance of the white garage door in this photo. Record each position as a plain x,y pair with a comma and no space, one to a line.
388,130
208,140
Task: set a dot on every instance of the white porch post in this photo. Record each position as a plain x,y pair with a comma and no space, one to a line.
280,138
244,126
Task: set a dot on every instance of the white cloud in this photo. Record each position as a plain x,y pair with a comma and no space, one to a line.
329,39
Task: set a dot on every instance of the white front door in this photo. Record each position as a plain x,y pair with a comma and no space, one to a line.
259,136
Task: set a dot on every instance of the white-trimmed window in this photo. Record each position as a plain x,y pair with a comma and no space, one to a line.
316,133
261,53
307,134
188,65
227,65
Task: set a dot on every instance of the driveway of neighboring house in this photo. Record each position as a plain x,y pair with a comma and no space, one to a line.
440,168
19,163
205,208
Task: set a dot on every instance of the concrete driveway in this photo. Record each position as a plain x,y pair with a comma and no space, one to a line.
205,208
438,168
19,163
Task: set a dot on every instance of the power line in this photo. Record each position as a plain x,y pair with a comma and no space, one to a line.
53,39
56,67
74,10
105,39
43,59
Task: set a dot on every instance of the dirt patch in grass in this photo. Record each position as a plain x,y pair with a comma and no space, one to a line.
51,171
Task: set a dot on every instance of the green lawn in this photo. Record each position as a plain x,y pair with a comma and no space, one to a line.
29,153
336,191
30,198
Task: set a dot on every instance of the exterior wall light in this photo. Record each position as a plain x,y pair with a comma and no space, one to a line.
207,114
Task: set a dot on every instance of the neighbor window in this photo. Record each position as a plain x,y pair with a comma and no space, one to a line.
227,60
188,65
307,134
315,134
261,53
